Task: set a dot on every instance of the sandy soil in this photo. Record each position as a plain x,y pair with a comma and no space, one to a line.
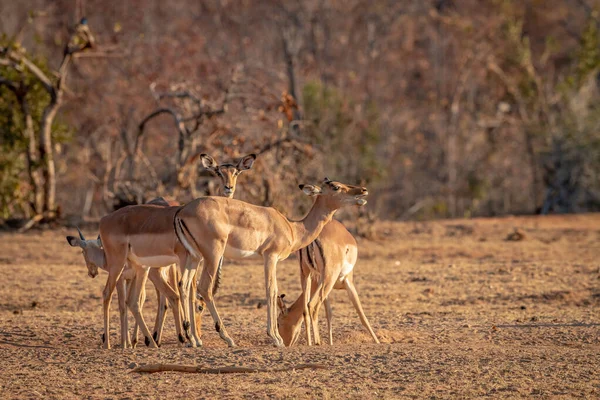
460,311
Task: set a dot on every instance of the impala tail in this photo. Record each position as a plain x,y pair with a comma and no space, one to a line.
185,237
189,243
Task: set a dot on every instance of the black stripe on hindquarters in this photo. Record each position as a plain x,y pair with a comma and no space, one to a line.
186,230
320,246
219,276
309,258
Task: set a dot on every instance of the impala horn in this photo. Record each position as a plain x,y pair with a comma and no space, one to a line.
80,234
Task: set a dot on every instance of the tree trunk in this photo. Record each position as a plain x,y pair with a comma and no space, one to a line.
46,148
290,51
47,157
533,163
33,159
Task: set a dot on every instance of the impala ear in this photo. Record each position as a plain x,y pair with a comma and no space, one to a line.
75,242
208,162
310,190
246,162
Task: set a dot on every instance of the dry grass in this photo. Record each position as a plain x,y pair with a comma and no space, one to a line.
461,312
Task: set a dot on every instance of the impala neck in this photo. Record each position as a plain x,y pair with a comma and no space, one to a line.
97,257
309,228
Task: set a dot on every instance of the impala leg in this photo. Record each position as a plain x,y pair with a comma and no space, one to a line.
122,298
329,314
154,276
312,308
173,281
142,302
185,288
195,329
115,262
271,289
323,290
134,301
184,294
134,333
306,291
356,302
211,265
111,282
106,299
172,296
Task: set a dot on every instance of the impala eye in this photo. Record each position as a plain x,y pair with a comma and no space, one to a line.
336,188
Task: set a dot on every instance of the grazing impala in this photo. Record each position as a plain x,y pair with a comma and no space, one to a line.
325,264
213,227
142,237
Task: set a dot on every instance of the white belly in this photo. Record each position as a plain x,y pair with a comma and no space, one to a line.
237,254
153,261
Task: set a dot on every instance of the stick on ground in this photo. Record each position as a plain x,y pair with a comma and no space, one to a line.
152,368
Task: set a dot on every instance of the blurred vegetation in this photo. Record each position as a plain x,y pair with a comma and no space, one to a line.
15,189
443,108
346,131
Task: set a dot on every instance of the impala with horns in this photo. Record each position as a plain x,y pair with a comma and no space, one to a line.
325,264
142,237
213,228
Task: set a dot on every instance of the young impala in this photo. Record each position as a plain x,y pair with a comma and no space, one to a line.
325,264
213,228
142,237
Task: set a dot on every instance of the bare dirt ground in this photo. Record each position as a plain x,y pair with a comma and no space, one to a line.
461,312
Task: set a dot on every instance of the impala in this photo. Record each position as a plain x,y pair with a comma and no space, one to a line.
213,227
142,237
95,258
325,264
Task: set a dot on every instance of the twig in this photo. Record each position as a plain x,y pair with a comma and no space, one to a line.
33,346
31,223
152,368
293,141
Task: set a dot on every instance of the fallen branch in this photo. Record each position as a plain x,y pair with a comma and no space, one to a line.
152,368
31,223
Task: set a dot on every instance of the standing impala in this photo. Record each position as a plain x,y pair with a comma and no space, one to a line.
325,264
213,227
142,236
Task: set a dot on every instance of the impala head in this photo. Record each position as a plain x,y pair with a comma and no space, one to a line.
289,331
338,194
228,172
92,251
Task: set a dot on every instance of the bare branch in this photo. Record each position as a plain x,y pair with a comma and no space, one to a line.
296,142
181,128
16,58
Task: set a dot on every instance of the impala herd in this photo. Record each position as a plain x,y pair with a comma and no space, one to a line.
165,242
